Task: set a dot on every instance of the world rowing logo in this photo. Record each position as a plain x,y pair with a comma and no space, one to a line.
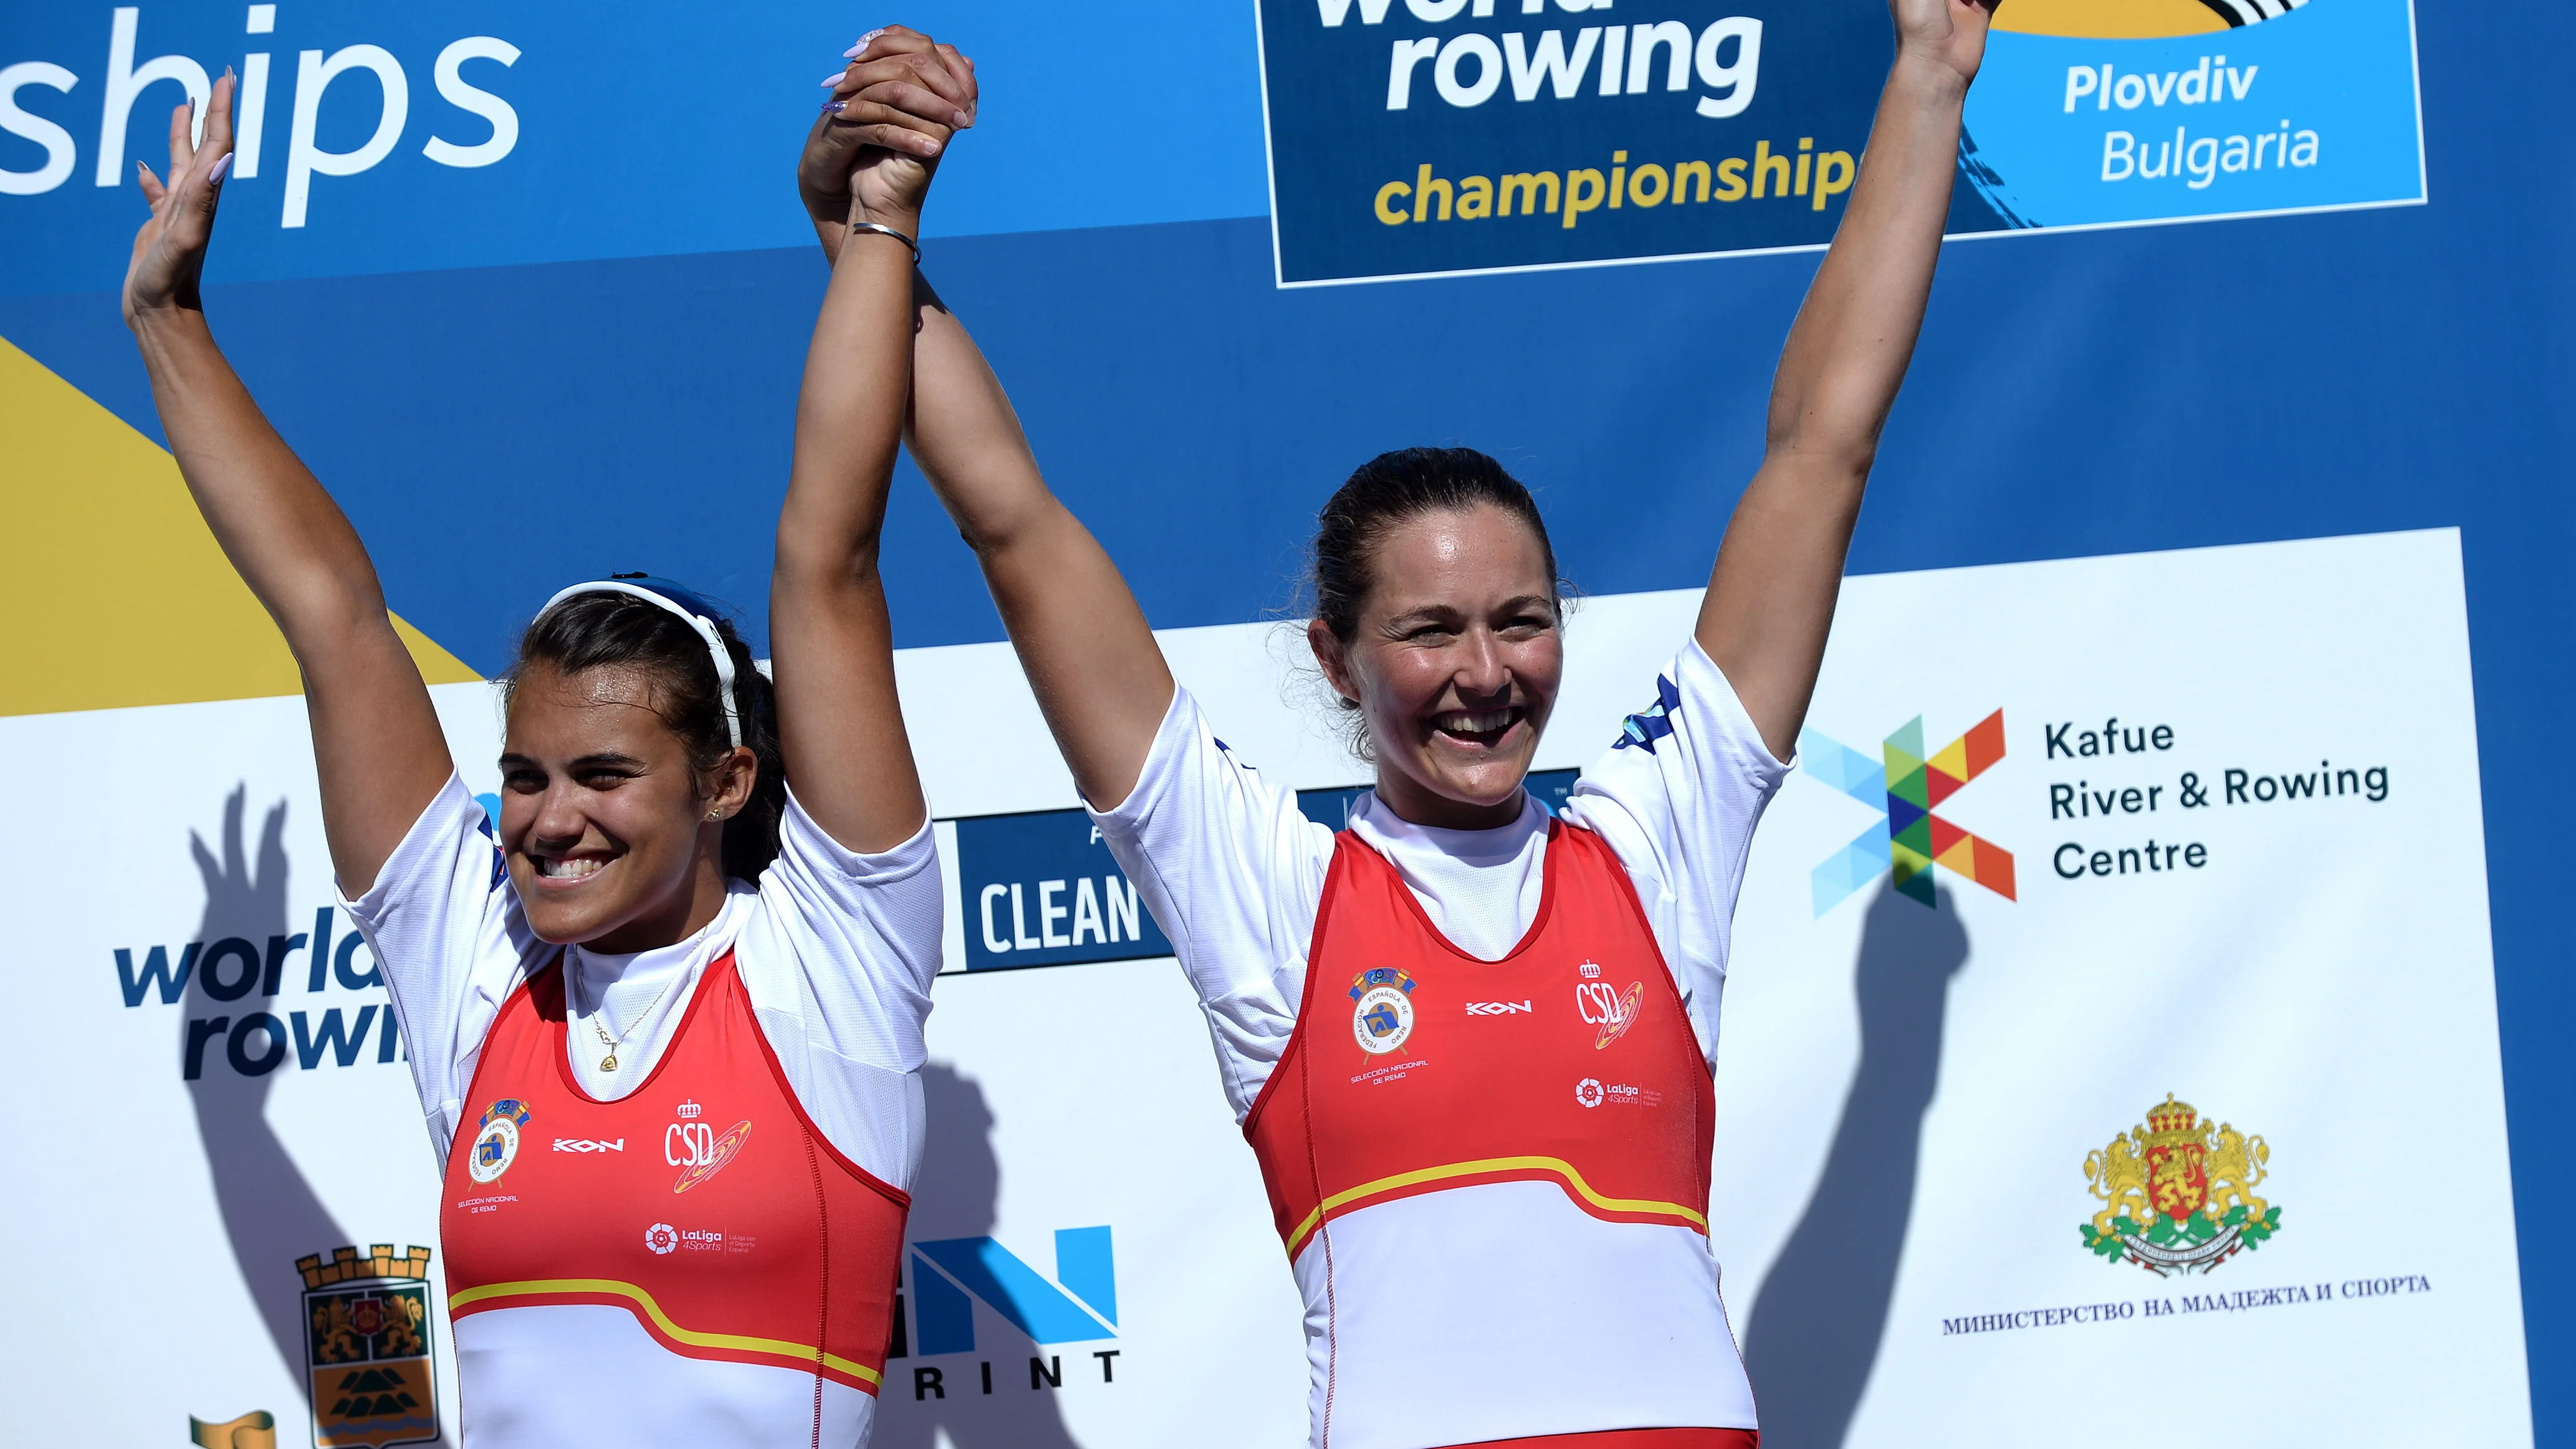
2178,1193
1903,785
1639,731
1382,1016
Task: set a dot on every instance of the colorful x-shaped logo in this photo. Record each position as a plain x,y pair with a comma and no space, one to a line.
1903,785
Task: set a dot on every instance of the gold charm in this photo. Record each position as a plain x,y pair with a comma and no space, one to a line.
598,1024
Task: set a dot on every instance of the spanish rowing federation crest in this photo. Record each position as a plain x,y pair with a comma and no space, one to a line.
496,1140
2178,1193
1383,1019
367,1347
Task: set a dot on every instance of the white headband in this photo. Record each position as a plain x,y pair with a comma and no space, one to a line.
697,620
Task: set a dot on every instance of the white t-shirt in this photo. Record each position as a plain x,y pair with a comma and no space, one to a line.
1234,873
835,949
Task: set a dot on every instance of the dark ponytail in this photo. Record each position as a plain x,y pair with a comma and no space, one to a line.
1390,488
591,631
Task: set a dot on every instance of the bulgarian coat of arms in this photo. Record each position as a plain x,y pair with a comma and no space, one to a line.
2178,1193
367,1347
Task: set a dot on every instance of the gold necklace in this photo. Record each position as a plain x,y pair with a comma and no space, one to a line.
599,1014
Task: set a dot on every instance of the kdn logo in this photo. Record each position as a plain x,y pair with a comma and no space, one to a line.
952,1275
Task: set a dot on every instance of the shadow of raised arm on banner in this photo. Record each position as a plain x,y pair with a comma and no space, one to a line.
271,1214
954,1197
248,958
1814,1332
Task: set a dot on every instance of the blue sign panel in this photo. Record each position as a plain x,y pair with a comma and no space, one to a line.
2073,123
1467,135
1420,137
951,1275
1042,890
400,138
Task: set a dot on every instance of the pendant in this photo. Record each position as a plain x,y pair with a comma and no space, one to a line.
608,1063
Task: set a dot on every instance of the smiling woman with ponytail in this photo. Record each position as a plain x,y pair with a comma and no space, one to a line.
693,955
1472,1044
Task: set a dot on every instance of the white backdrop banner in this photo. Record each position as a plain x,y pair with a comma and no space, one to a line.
2113,1023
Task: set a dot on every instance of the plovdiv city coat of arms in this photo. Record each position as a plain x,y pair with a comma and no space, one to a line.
367,1346
2178,1193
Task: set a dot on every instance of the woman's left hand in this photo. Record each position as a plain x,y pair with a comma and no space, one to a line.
170,248
900,99
1951,33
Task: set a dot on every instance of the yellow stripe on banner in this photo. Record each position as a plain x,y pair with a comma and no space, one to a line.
120,595
738,1342
2108,19
1554,1166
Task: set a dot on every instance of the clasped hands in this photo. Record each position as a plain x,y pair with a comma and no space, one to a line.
882,132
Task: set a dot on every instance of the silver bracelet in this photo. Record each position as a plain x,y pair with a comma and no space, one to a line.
890,231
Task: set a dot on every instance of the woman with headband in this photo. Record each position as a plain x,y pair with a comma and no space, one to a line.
666,1023
1472,1045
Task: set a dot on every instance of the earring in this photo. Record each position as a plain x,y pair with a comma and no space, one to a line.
716,814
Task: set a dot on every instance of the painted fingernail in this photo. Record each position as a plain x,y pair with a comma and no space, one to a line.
836,107
834,78
223,168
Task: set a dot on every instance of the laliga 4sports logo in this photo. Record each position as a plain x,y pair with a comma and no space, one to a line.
1903,785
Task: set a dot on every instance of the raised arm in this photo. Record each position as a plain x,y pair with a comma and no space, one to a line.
840,723
1091,658
1085,646
376,741
1771,596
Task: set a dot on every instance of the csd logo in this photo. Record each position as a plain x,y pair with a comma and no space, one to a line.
687,1144
695,1148
1607,1007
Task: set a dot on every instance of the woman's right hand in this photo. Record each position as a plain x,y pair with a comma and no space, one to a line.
899,100
170,249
